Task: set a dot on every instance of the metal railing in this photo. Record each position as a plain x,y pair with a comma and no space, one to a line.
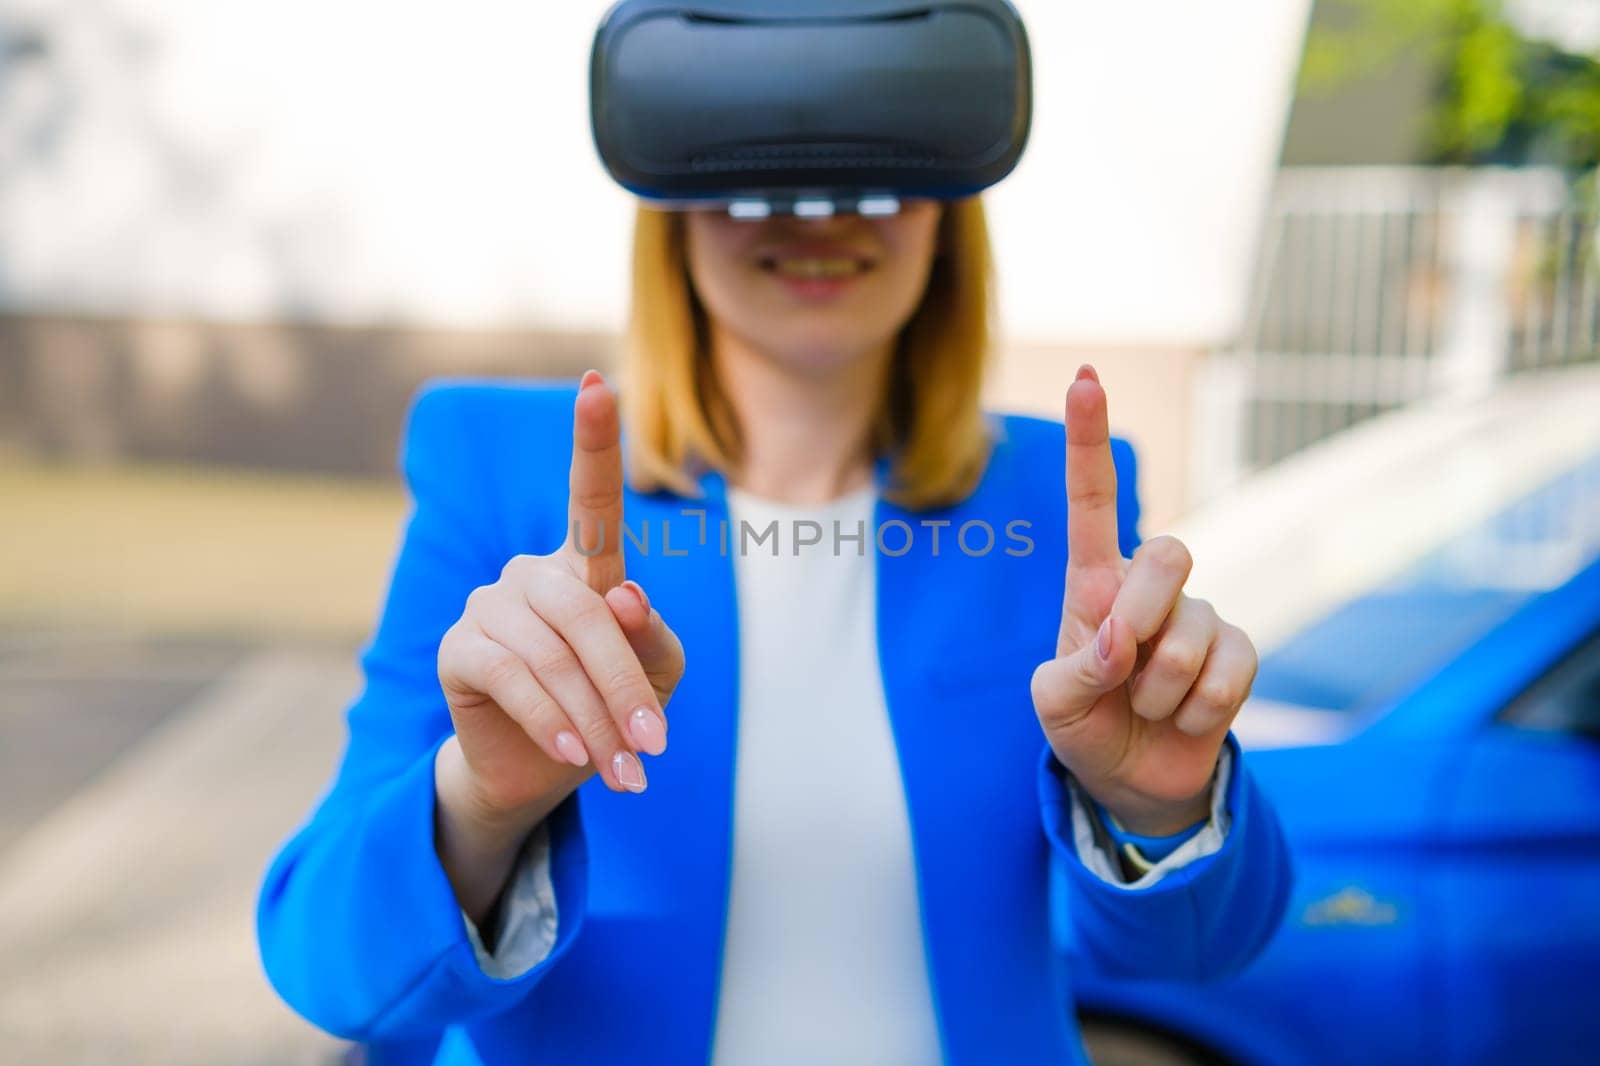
1376,288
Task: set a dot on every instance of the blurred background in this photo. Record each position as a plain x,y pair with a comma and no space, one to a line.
1336,263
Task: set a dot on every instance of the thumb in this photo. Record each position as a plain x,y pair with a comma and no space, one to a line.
1067,687
657,646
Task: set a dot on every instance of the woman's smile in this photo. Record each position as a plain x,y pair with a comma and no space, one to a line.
815,270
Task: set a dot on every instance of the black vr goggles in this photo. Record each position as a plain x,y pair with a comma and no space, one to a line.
809,107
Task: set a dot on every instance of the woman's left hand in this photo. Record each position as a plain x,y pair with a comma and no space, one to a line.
1146,680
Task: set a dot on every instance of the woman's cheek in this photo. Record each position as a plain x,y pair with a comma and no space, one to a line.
902,284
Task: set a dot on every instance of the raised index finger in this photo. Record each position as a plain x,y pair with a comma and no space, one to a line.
1091,476
594,503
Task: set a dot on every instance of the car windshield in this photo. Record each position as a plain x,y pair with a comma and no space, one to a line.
1363,654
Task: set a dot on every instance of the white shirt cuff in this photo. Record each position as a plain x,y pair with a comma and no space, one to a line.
1207,841
527,914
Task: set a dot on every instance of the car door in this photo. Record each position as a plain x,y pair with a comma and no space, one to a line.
1520,961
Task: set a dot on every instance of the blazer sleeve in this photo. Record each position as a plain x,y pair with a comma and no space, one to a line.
358,927
1205,919
1202,920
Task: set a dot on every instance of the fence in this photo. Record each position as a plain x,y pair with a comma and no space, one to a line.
1375,288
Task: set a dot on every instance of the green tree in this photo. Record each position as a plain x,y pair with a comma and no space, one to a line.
1499,96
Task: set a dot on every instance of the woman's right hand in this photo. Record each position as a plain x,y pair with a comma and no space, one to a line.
558,670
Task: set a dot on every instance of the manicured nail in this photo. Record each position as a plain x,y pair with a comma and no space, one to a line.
1087,371
590,377
648,734
625,764
633,586
571,748
1102,641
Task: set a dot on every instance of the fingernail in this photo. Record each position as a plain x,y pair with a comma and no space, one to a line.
1102,641
1087,371
625,764
648,734
571,748
633,586
590,377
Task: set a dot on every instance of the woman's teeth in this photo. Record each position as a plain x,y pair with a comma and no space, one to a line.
816,268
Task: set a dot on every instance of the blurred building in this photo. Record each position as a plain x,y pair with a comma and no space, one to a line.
1432,230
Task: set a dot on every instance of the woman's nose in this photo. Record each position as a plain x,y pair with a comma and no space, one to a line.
837,225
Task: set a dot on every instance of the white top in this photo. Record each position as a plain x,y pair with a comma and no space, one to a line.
823,959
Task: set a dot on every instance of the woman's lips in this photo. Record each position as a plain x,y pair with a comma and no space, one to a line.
815,272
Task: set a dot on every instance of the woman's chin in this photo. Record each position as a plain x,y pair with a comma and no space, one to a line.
825,355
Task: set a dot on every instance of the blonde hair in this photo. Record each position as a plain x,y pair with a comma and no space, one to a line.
679,421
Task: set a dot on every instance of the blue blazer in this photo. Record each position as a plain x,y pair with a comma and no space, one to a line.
360,931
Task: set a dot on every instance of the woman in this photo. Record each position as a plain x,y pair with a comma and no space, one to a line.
940,743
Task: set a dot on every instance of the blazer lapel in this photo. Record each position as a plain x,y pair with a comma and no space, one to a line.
956,653
682,823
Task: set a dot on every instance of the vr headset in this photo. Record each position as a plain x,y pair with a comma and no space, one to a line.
809,107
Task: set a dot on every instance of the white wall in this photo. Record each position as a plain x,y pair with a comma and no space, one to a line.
431,161
1574,26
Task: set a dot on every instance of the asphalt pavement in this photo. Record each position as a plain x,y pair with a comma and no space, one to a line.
144,784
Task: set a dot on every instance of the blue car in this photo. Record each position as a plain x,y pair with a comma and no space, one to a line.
1445,818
